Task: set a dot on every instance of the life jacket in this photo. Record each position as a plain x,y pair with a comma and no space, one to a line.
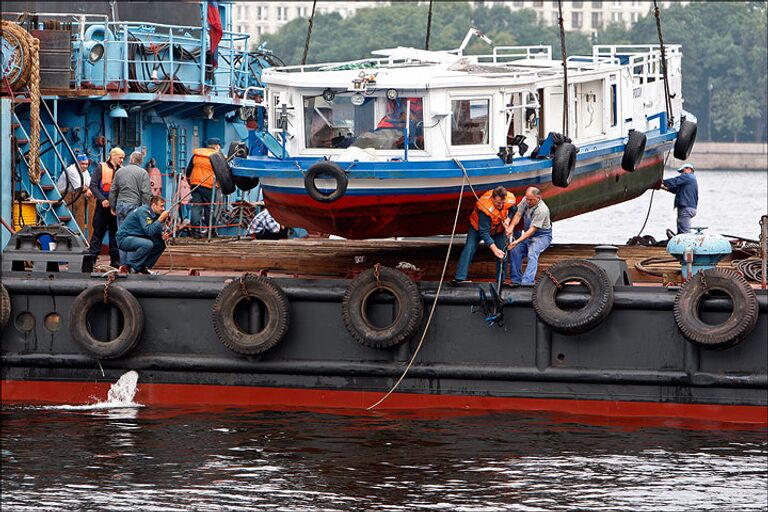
396,109
202,171
107,174
485,204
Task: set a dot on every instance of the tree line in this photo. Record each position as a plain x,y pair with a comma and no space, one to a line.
724,48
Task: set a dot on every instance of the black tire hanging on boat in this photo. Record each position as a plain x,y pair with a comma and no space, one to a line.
133,321
686,138
739,324
332,170
408,302
633,151
223,172
576,321
244,183
563,164
5,306
277,311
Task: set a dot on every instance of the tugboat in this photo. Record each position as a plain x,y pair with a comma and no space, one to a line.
386,146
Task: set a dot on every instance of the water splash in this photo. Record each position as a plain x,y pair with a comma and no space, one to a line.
120,396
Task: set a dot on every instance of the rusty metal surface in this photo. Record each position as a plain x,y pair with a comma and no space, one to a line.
55,56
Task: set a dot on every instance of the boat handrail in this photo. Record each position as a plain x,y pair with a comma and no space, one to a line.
543,52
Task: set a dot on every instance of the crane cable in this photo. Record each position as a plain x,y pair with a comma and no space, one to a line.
668,98
565,67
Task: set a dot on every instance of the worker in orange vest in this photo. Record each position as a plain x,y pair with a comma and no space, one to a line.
201,179
103,220
488,222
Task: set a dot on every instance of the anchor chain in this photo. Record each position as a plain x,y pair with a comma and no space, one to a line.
243,288
704,283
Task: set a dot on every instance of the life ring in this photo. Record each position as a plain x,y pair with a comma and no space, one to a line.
634,150
329,169
223,172
563,164
576,321
686,138
277,314
5,306
739,324
408,304
133,321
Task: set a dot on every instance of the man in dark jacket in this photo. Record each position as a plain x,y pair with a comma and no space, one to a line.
103,220
686,190
142,236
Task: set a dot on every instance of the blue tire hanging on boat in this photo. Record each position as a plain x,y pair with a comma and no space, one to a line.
329,170
686,138
634,150
563,164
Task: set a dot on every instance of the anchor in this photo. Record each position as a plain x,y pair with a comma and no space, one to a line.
492,304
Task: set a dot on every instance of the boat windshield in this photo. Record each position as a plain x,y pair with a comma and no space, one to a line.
376,122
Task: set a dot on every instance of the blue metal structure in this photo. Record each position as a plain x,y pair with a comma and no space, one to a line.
138,85
698,251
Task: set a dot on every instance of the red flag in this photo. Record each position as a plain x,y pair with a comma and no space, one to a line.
216,31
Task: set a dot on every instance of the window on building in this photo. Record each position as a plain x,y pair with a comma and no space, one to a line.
577,20
597,20
555,18
635,17
616,17
517,4
597,5
617,4
302,12
259,31
538,4
282,13
470,122
577,5
261,12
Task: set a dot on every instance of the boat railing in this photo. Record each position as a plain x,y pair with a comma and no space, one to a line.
508,53
155,58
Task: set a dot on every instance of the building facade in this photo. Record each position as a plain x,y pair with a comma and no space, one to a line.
261,18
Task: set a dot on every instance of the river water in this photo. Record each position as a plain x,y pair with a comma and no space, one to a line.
730,202
119,456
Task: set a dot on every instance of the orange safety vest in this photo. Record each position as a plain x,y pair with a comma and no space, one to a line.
202,170
485,204
106,177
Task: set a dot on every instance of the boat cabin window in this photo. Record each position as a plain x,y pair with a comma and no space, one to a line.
471,125
377,122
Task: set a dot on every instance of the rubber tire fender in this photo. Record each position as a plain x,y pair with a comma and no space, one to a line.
277,309
634,150
686,138
410,308
580,320
5,306
739,324
326,168
563,164
133,322
223,172
244,183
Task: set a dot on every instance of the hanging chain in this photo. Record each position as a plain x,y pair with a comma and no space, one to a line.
243,286
553,279
110,279
704,283
377,274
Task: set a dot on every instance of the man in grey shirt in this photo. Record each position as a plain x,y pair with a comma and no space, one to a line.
130,189
536,237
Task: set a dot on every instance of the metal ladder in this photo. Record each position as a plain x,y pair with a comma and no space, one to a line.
50,207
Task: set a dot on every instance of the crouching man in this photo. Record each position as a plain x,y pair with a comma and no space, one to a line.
142,236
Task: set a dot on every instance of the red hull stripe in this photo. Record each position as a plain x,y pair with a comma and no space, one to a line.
60,392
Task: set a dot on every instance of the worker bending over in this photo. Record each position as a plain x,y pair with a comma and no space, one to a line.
488,222
142,236
201,178
536,237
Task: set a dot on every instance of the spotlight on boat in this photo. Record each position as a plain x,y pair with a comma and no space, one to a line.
95,51
358,99
391,94
117,112
328,95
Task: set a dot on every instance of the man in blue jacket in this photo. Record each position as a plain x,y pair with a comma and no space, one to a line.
142,236
686,191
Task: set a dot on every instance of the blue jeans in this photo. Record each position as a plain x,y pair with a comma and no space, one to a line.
532,247
470,247
141,252
123,209
684,216
200,213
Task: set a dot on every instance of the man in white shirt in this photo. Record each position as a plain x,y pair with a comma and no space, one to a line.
73,185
